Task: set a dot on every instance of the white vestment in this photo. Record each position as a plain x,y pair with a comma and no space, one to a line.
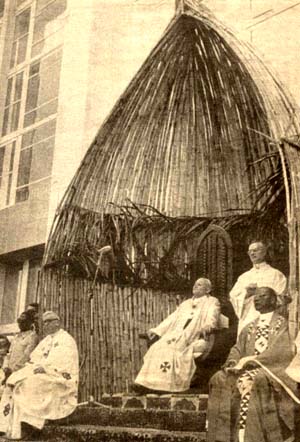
169,363
293,370
31,397
263,275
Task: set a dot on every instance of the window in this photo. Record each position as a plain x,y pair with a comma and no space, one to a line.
43,88
10,173
2,7
24,175
12,104
19,47
33,276
12,286
19,3
35,158
47,11
7,159
2,154
31,96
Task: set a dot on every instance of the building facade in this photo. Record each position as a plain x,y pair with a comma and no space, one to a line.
43,97
60,73
63,64
31,60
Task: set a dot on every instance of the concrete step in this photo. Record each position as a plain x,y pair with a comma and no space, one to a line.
179,401
4,439
133,418
93,433
177,420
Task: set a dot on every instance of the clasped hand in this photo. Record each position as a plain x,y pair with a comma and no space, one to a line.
250,290
229,366
205,332
39,370
7,373
246,363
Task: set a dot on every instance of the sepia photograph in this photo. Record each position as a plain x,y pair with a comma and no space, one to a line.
150,220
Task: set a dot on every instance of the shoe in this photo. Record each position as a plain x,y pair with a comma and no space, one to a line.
139,389
12,438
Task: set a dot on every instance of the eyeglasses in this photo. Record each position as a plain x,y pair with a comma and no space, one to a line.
49,320
258,249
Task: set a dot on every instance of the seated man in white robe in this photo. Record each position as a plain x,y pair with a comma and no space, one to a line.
46,388
261,275
185,334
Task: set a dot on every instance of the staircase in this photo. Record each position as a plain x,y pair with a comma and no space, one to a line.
134,418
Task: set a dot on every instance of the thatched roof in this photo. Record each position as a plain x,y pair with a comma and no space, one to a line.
184,135
185,138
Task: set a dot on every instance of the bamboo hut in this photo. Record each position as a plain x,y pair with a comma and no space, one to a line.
180,176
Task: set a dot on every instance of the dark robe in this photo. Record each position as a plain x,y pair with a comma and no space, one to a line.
270,416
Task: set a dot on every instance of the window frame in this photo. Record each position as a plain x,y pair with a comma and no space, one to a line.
37,42
9,106
22,67
12,327
21,130
16,40
8,177
38,106
2,12
15,172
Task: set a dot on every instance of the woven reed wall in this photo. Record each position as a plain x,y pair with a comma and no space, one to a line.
291,155
110,360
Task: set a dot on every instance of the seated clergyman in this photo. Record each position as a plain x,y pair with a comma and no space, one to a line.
46,388
252,399
185,334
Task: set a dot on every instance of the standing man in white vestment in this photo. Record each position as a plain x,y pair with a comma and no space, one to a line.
46,388
185,334
261,275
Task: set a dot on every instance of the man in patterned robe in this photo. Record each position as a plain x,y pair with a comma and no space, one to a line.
46,388
185,334
252,399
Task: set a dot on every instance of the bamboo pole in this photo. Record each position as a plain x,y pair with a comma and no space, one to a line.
120,315
119,340
289,153
97,353
102,346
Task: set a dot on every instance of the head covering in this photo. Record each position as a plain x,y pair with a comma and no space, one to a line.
49,315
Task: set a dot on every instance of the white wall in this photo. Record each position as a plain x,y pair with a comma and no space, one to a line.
276,38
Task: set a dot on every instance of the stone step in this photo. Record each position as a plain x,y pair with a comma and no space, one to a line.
4,439
93,433
133,418
179,401
177,420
